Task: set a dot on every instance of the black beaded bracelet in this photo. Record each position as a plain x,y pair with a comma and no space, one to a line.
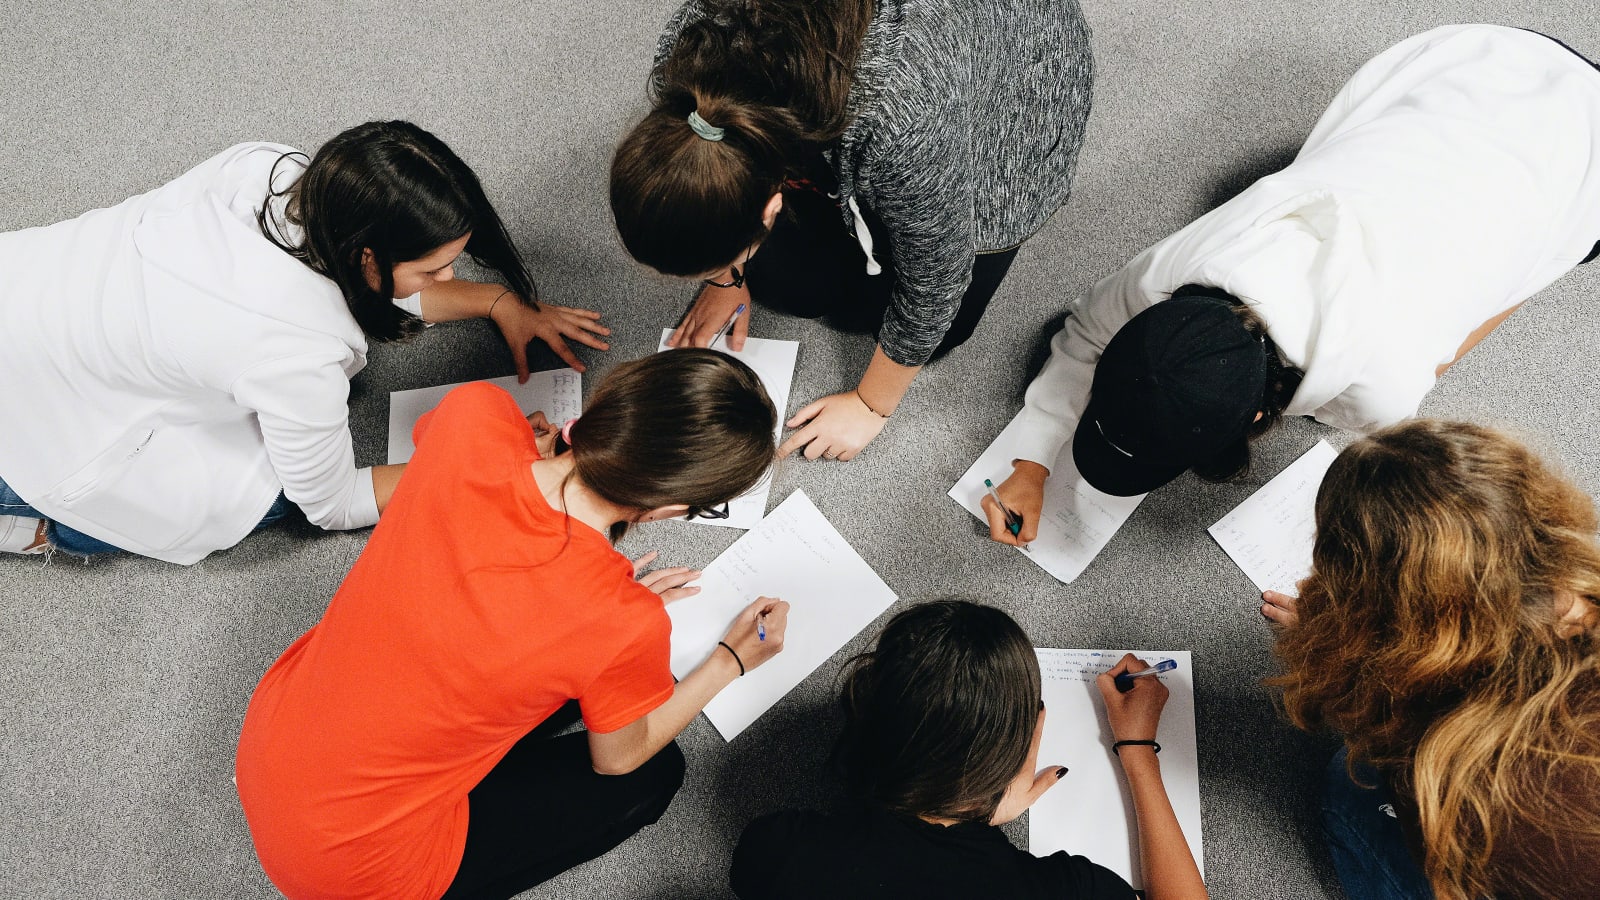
735,656
1117,747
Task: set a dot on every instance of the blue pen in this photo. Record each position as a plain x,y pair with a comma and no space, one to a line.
1013,521
1124,681
724,329
761,626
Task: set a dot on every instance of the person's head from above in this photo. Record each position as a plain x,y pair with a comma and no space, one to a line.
744,96
1449,631
939,715
685,431
387,208
1185,384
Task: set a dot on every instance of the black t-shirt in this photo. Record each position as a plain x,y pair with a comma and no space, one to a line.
869,852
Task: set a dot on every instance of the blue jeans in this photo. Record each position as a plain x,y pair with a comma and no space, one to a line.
1368,845
79,544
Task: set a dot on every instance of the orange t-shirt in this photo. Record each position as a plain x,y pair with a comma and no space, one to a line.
474,613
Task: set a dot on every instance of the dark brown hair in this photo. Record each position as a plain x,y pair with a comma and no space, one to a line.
686,426
1281,382
394,189
1429,636
775,76
940,714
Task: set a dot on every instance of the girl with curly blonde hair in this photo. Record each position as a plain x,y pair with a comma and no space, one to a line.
1449,633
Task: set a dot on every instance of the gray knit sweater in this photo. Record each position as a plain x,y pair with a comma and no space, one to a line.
967,116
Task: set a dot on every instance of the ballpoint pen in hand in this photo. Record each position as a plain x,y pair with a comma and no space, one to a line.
1124,682
726,325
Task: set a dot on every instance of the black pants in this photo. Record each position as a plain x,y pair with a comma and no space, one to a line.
543,810
812,267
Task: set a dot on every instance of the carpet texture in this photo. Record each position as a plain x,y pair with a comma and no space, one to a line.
123,682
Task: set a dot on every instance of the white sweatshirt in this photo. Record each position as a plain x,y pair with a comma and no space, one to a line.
168,370
1454,176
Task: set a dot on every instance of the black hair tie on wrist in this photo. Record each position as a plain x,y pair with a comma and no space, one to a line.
1117,747
740,661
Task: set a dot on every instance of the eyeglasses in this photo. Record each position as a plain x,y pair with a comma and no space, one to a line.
707,512
735,271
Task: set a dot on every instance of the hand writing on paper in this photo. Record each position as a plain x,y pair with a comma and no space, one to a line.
544,437
520,323
1030,783
669,583
710,312
1280,609
744,636
836,427
1134,715
1023,494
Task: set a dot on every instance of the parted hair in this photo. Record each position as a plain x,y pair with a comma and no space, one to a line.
940,714
775,75
689,426
400,192
1429,637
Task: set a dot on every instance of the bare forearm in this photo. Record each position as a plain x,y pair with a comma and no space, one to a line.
668,720
1169,869
384,480
1476,337
885,383
457,299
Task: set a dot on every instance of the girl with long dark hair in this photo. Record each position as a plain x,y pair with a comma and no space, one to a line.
941,744
406,746
876,162
178,365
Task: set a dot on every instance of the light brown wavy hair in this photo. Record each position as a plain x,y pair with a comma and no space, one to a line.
1429,635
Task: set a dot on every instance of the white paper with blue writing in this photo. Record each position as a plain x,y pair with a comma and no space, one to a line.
773,362
1090,813
1270,535
1078,520
558,393
794,555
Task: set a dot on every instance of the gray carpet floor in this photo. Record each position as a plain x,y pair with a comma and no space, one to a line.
123,682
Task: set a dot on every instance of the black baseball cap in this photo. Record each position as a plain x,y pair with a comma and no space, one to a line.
1179,383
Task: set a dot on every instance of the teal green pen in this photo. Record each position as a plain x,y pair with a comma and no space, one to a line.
1013,521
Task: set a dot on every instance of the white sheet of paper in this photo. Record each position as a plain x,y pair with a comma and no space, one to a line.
1090,812
794,554
773,361
1078,520
558,392
1271,533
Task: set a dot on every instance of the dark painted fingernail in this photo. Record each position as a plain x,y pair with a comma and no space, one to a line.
1061,773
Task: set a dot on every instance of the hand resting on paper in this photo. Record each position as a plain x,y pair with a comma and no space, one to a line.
1030,783
1023,494
671,583
1134,715
1280,609
711,310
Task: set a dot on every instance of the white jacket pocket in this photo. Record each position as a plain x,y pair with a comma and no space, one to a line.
142,493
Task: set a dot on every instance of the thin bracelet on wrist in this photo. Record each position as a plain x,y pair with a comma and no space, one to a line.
869,405
1117,747
490,313
724,645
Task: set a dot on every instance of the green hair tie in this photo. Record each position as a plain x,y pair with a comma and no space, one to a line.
705,129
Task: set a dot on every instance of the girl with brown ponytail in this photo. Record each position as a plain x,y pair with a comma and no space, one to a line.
1449,632
877,163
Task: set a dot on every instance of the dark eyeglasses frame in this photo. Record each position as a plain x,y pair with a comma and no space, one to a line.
736,271
707,512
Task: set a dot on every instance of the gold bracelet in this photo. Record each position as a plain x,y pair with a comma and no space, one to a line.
868,405
490,313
